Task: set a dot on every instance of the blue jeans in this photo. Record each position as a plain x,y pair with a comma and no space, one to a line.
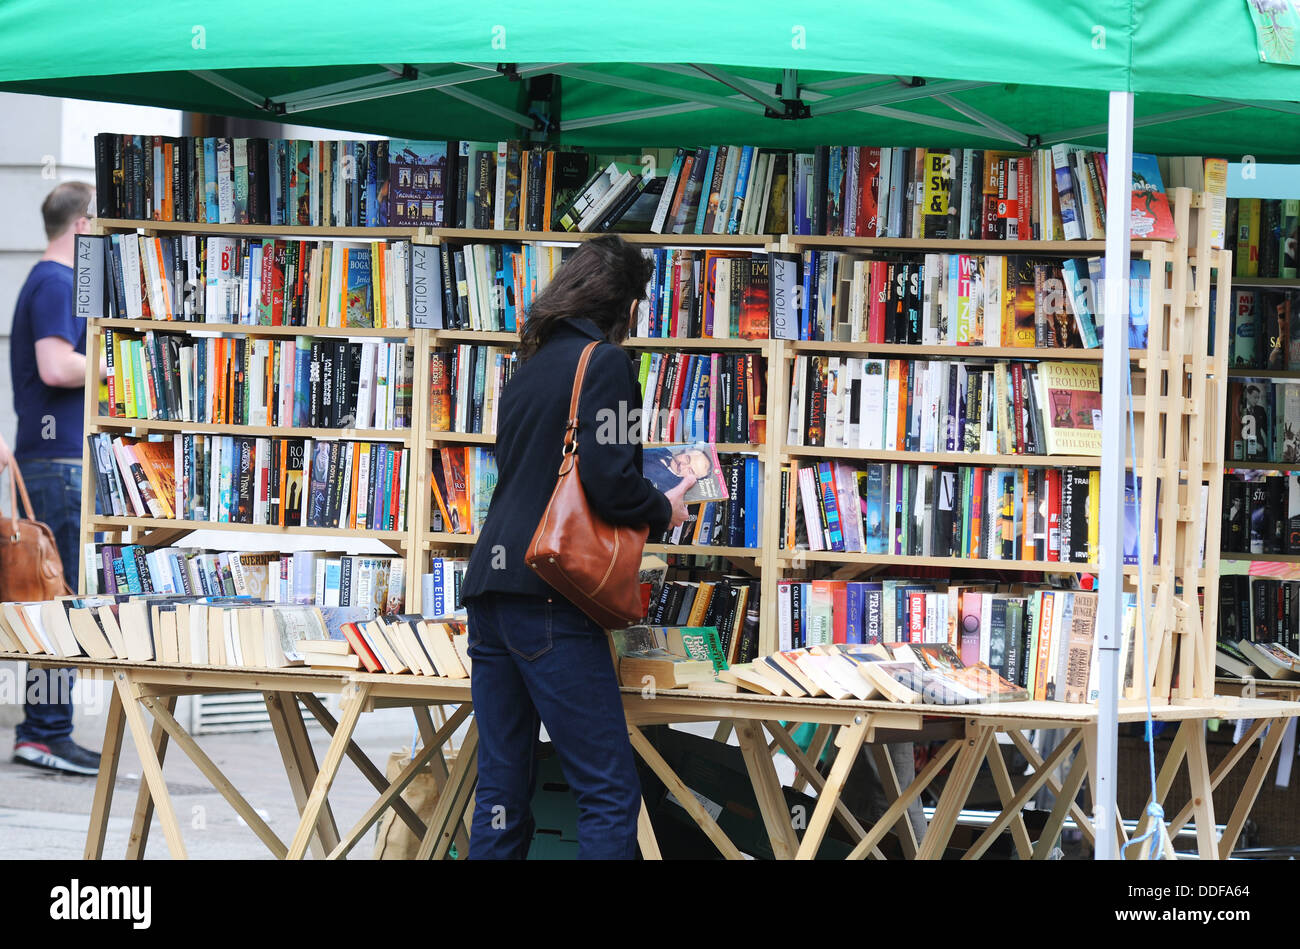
541,660
55,490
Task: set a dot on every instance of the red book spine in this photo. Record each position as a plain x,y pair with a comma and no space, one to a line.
916,617
868,191
1053,515
977,512
679,385
879,294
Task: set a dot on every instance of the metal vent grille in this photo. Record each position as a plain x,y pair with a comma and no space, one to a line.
234,712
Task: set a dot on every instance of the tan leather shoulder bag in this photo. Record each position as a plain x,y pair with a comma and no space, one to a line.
30,567
591,562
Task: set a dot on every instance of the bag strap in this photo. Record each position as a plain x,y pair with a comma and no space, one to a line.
16,478
571,427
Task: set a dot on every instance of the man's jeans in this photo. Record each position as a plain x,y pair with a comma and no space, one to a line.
55,490
541,660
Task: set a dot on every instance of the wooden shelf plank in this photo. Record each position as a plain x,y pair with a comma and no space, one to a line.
498,338
477,438
704,550
947,458
1263,374
245,329
1265,282
1261,465
1260,558
255,431
965,563
296,231
101,522
1065,248
756,241
944,351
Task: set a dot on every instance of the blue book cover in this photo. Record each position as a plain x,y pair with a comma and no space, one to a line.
274,181
875,519
378,491
1139,303
317,488
805,298
210,180
507,277
831,504
702,399
1079,302
854,596
704,190
737,202
689,429
301,381
416,182
752,501
333,578
133,584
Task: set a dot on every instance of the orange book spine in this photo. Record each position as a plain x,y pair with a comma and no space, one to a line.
550,180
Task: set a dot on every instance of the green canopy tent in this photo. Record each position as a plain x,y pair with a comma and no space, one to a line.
994,71
979,73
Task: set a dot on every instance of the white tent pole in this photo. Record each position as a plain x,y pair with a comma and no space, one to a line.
1114,371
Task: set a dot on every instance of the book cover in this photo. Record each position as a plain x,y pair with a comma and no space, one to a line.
416,175
1150,217
666,466
1072,407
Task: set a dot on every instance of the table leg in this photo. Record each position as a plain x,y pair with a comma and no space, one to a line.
353,703
1006,793
1064,797
110,754
1235,754
1042,775
1198,774
889,782
153,788
432,748
786,743
299,761
899,807
850,742
767,789
650,755
214,775
438,764
645,835
452,802
955,792
1031,755
1250,791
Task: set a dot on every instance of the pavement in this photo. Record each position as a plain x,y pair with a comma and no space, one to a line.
44,815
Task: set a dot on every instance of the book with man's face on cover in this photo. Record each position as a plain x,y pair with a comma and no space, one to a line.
665,466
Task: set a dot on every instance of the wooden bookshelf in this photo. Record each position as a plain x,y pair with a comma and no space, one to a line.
248,329
1176,357
148,426
100,522
295,231
1246,283
945,458
1235,373
1259,558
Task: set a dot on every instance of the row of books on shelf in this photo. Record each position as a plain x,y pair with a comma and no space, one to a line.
1261,513
218,180
258,282
1250,659
712,189
724,508
396,645
1259,609
284,482
1003,407
1263,421
296,382
970,512
464,477
712,397
301,576
1262,233
1039,640
465,386
727,604
1264,335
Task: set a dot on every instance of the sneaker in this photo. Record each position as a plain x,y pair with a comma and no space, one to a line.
62,755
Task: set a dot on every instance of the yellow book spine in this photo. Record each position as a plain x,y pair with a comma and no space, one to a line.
1094,515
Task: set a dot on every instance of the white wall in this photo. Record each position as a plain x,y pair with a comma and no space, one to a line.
44,141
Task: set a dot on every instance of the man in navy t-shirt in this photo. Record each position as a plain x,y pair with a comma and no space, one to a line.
47,362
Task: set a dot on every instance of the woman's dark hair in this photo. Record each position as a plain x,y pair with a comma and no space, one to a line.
601,281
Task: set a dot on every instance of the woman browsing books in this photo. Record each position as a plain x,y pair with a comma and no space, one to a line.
537,658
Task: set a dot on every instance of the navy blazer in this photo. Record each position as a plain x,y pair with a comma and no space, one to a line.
530,437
